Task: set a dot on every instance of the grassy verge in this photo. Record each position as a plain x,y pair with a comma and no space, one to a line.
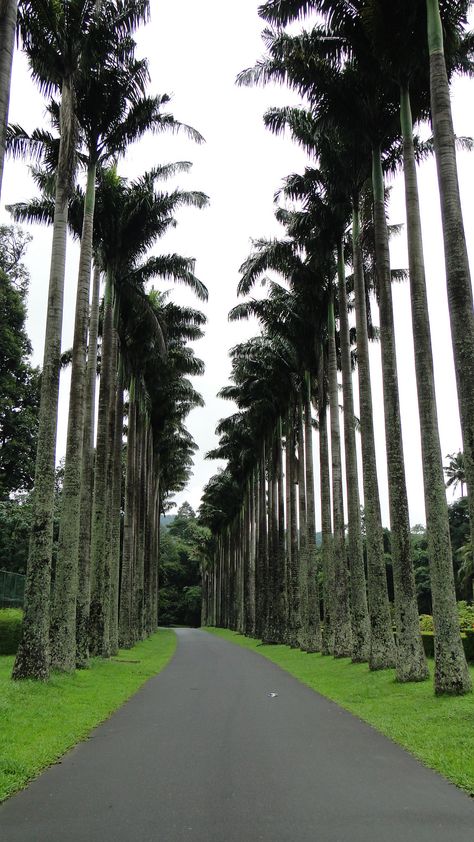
39,722
436,730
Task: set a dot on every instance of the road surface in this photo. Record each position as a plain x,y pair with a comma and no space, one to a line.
207,752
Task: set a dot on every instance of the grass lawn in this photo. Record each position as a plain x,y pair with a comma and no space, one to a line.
40,721
439,731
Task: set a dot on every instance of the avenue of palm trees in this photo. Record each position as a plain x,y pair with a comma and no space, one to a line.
367,73
104,591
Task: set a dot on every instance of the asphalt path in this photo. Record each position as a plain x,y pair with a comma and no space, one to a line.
223,746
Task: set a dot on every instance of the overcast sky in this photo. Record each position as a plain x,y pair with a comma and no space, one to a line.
195,52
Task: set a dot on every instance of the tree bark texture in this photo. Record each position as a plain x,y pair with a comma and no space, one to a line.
303,529
313,637
83,589
382,646
63,614
126,589
8,13
342,610
411,661
359,609
327,644
100,575
458,276
451,672
33,655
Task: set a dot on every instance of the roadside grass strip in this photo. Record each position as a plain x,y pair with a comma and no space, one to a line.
39,722
437,730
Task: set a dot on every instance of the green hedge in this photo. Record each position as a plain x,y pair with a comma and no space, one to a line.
10,630
467,641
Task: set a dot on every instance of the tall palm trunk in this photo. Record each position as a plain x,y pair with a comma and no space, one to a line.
411,662
261,565
303,529
83,589
33,656
100,575
253,548
327,645
270,632
139,526
359,609
126,585
342,611
287,528
294,616
382,648
313,638
451,673
115,519
63,614
149,505
282,609
458,276
8,10
247,560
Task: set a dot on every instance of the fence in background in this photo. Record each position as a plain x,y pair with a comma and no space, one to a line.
12,589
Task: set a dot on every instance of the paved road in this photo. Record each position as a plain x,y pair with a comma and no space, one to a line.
204,753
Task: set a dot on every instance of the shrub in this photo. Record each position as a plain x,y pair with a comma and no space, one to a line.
466,616
10,630
467,642
426,623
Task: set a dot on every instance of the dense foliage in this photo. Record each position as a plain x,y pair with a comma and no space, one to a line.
19,381
180,570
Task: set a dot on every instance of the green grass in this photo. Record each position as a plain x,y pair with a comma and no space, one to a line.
439,731
40,721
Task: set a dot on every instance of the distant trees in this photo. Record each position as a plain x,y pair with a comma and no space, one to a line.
19,381
181,569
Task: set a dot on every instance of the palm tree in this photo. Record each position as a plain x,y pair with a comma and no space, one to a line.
403,59
87,480
458,276
8,14
60,43
456,471
113,110
133,217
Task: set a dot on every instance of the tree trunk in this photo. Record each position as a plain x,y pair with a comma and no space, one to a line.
33,656
458,276
63,614
359,609
139,527
7,45
282,610
303,531
382,647
313,639
294,617
83,590
451,672
126,588
262,563
327,645
115,515
411,661
342,610
100,575
253,548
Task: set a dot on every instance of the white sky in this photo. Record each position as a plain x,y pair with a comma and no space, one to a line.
195,52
